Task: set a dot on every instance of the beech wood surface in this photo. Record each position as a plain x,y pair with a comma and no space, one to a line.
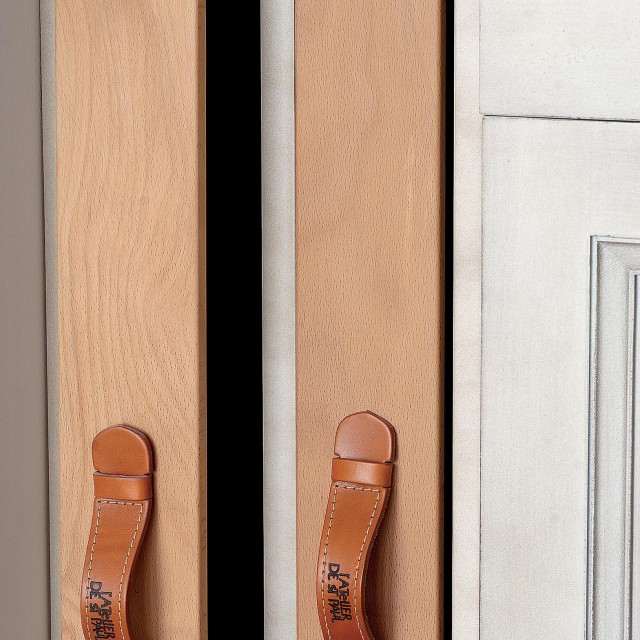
130,226
369,285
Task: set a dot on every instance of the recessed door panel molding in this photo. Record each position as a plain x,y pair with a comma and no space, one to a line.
569,59
549,188
614,384
130,214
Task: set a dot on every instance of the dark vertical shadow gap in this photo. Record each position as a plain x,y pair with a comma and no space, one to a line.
234,300
449,171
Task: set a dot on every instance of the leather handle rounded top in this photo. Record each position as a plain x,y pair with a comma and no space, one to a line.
123,492
361,479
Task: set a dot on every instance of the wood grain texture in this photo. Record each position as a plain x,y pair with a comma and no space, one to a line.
369,246
130,223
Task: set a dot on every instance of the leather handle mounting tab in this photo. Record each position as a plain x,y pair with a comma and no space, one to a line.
123,492
361,479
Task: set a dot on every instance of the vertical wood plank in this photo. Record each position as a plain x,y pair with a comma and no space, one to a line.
369,176
130,223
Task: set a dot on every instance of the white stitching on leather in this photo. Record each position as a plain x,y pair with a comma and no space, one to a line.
366,534
93,546
326,545
124,568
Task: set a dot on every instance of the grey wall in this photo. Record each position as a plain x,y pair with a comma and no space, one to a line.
24,550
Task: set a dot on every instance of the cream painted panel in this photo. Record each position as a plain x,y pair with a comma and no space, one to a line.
467,272
568,58
279,319
549,188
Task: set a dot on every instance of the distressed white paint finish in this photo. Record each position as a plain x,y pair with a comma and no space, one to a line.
561,58
549,186
615,267
278,232
466,324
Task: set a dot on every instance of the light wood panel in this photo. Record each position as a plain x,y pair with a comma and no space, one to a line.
130,224
369,247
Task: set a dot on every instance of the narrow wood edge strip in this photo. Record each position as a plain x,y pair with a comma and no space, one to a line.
202,312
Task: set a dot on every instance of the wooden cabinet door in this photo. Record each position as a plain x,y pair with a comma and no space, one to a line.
102,177
366,219
130,220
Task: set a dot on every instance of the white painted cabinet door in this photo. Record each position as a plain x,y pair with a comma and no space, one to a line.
559,480
560,58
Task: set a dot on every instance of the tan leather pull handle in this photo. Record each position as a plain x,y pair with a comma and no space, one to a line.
361,479
123,491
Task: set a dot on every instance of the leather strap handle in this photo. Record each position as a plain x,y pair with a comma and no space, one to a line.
123,492
361,479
